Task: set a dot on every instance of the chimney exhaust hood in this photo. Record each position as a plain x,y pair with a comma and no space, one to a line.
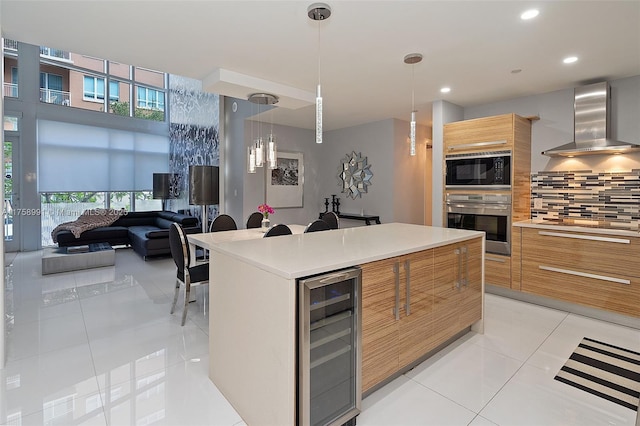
591,125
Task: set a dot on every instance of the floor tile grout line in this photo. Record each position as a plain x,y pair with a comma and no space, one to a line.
93,362
523,364
444,396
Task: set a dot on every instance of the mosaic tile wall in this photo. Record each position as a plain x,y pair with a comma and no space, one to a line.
193,135
610,197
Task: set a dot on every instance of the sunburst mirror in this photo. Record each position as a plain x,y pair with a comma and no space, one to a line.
355,175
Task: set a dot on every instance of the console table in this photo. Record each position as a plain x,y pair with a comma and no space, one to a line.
367,218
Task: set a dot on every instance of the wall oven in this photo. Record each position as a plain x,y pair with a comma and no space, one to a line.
478,170
490,213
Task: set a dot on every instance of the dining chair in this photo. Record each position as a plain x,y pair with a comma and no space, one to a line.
223,222
186,275
332,220
254,220
317,225
278,230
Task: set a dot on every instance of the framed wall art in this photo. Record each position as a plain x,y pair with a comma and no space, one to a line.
285,183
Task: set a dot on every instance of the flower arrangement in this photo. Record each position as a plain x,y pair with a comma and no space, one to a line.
266,210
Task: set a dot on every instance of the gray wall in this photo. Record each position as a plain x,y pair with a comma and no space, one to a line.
244,191
555,126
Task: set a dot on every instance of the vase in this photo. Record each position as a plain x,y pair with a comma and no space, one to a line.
266,224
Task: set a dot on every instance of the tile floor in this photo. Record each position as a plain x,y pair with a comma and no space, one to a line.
99,347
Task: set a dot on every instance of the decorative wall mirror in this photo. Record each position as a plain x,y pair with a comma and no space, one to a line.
355,175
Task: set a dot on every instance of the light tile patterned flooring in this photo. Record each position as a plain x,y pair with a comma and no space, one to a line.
99,347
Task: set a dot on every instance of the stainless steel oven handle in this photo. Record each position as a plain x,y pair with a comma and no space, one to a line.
480,206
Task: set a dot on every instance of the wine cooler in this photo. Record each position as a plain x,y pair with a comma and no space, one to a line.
329,351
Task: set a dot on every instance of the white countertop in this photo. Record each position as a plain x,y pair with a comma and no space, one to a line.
301,255
547,224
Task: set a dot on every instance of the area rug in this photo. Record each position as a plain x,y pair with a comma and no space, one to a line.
608,371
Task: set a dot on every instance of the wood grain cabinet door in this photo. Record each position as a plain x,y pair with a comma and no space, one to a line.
470,306
416,322
380,342
446,292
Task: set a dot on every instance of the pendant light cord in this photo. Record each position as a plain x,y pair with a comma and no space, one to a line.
413,106
319,51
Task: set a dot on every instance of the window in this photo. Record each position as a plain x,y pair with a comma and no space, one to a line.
51,89
150,99
93,89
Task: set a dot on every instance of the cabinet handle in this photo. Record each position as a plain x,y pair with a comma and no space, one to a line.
407,271
585,274
465,280
476,144
586,237
459,271
396,271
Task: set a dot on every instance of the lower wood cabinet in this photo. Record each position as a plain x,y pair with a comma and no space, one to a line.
596,270
412,303
497,270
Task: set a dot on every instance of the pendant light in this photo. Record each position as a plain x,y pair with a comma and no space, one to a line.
261,153
412,59
319,12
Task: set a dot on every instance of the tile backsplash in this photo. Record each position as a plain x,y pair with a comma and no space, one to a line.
603,196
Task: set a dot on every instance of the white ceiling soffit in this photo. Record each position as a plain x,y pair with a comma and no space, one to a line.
237,85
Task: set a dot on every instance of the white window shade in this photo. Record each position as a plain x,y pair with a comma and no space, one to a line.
74,157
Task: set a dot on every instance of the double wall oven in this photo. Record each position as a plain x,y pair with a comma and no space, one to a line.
475,199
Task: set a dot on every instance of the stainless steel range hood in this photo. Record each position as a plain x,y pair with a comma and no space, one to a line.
591,125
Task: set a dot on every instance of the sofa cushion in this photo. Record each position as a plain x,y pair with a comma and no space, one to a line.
115,234
157,233
163,223
184,220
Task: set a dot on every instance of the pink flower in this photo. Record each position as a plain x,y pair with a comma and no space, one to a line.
266,210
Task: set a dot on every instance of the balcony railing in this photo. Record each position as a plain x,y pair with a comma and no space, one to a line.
57,97
10,44
55,53
10,90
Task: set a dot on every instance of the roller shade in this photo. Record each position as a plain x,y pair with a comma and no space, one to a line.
73,157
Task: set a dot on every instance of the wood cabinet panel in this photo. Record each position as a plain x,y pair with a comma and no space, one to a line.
497,270
481,134
416,327
596,291
470,306
379,327
600,253
437,307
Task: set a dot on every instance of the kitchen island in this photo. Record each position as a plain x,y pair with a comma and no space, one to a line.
252,323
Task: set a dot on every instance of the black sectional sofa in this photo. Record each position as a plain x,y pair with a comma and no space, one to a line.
146,232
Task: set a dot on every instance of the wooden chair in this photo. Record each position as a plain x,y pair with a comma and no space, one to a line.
254,220
332,220
223,222
278,230
317,225
186,275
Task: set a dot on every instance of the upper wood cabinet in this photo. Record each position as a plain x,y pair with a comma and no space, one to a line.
485,134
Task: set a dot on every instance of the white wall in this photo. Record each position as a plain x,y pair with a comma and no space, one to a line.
555,126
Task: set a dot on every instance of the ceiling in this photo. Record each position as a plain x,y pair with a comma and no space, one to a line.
240,47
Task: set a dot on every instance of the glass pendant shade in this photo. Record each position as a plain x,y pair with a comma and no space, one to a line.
259,152
412,134
251,160
318,116
272,153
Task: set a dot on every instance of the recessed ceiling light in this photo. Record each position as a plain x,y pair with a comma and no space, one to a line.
445,90
516,71
570,59
529,14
